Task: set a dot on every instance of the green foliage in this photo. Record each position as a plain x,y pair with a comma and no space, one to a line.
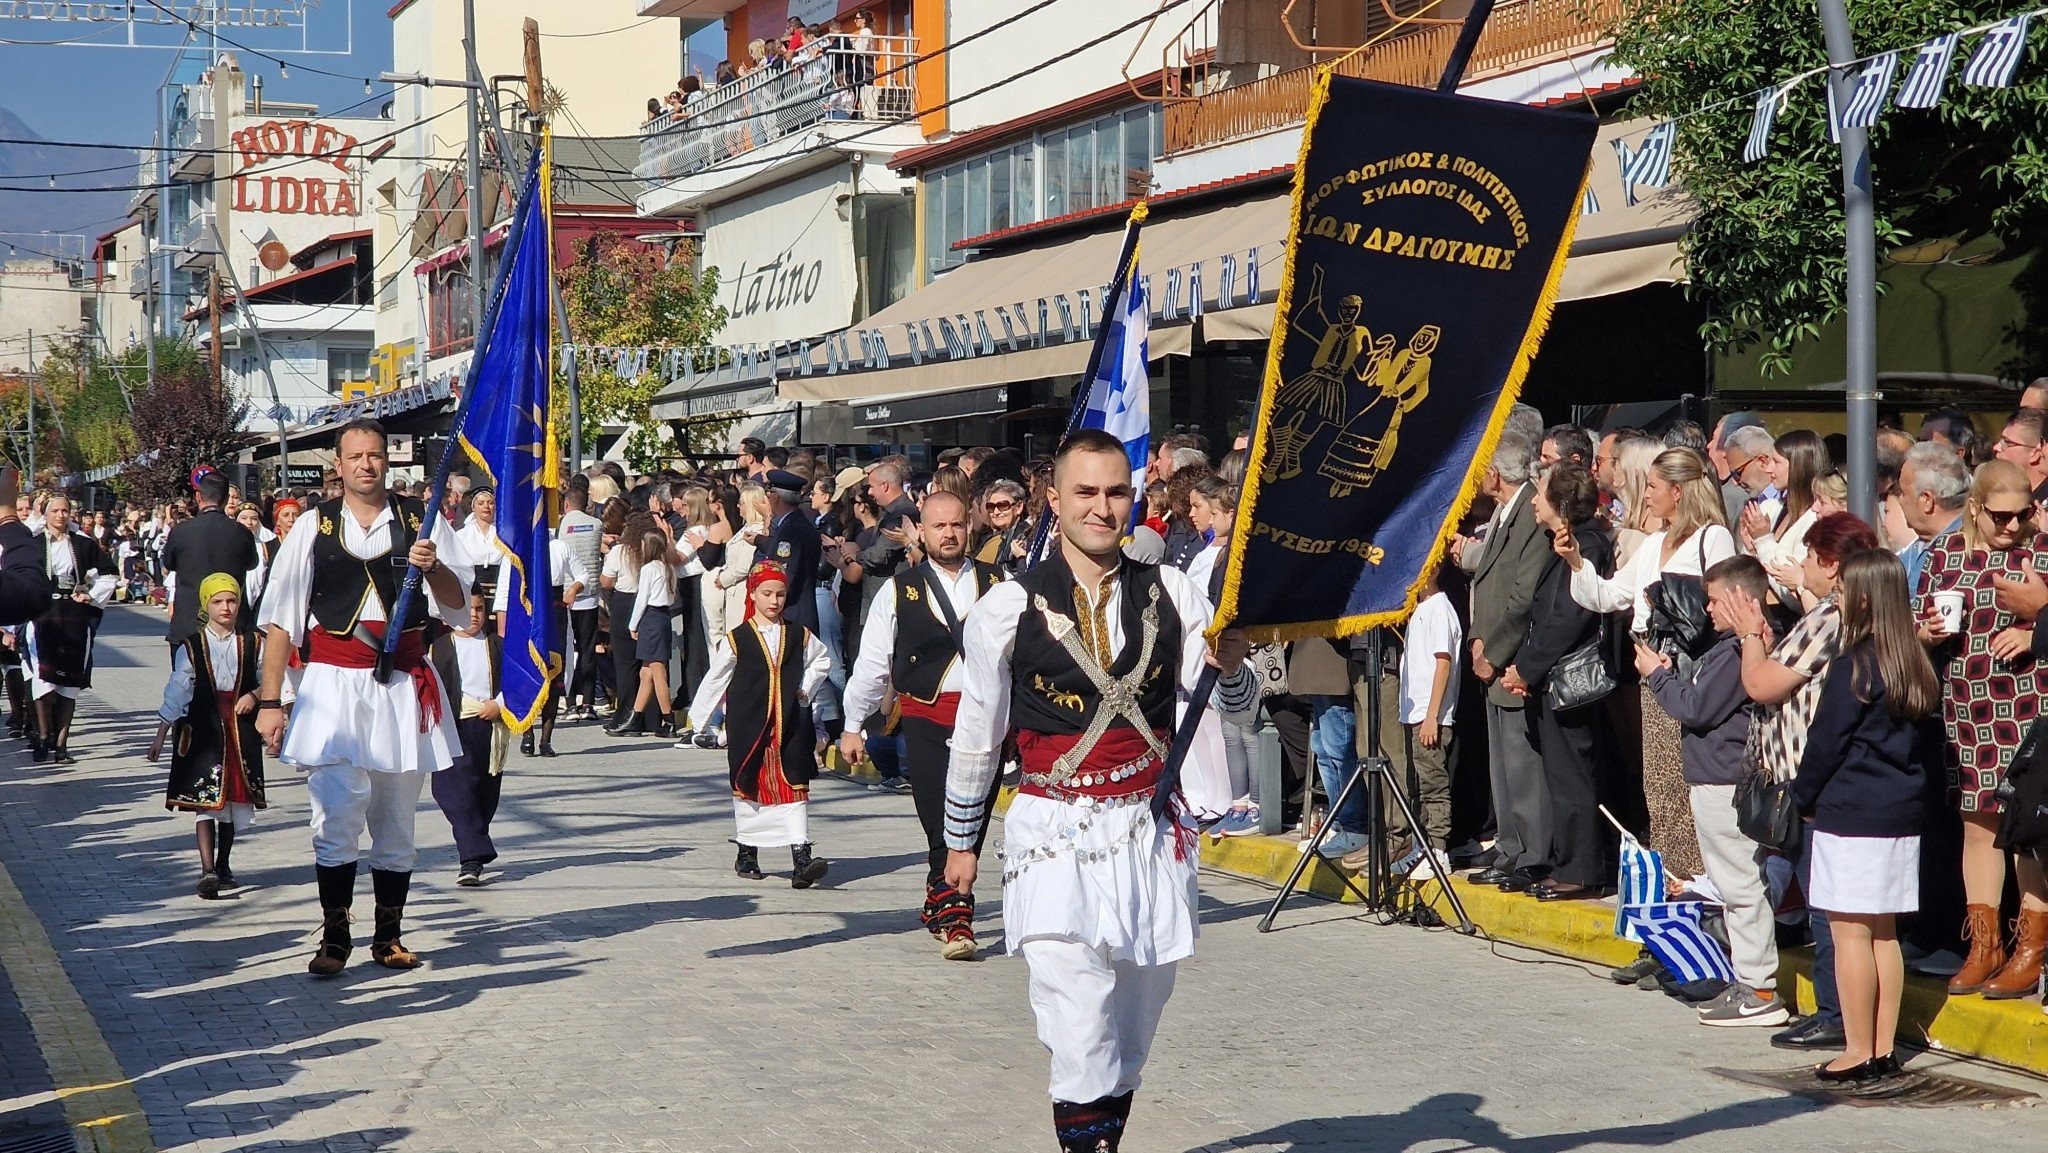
1766,252
619,292
180,423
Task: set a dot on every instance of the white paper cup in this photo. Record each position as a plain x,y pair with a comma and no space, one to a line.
1950,606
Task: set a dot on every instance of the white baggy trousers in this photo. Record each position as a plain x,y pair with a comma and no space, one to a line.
1095,1015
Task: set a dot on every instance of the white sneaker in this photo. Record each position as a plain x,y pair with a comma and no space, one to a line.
1339,843
1424,871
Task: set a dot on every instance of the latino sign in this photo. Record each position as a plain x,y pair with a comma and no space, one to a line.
295,156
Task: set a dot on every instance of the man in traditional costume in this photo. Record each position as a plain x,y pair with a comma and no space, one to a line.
82,581
1085,656
764,674
911,642
209,708
363,744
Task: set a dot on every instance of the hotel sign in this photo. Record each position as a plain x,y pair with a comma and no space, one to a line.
301,184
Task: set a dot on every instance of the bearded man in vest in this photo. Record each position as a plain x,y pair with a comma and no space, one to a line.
1086,657
365,745
911,642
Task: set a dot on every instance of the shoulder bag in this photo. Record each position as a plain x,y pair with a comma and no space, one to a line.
1679,625
1766,811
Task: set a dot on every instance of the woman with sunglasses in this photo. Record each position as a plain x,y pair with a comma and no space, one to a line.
1992,698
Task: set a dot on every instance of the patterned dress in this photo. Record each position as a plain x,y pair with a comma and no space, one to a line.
1990,703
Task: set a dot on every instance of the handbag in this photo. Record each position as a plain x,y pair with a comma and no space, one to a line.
1678,624
1767,812
1580,677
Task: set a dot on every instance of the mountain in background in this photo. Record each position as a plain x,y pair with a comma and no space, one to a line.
73,207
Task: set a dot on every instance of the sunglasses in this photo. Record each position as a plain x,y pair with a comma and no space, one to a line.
2002,518
1001,505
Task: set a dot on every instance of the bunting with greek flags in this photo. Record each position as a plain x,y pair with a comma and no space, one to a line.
506,432
1120,395
1648,165
1998,57
1590,203
1873,87
1929,75
1673,934
1641,883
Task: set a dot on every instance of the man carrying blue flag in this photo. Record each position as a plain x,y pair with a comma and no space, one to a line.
364,744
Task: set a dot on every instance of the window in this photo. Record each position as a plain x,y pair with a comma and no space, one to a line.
346,365
1074,169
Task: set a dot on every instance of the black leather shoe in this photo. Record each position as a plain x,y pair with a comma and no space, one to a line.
1853,1075
1888,1065
1493,875
1520,881
1810,1033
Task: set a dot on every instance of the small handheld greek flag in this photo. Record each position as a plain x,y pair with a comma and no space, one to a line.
1924,84
1998,57
1767,104
1641,884
1873,85
1120,396
1672,933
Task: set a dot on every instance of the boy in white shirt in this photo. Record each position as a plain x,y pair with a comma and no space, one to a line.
1428,711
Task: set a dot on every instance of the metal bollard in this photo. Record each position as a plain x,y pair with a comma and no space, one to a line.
1272,793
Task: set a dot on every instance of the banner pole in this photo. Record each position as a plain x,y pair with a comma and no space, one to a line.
1111,301
386,655
1461,52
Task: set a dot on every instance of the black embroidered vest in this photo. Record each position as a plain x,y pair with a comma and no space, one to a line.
750,708
342,581
1049,692
925,647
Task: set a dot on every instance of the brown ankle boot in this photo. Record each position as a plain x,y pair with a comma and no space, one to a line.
2022,972
1987,956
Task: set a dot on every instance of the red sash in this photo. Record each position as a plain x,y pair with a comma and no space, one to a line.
410,659
1121,764
944,712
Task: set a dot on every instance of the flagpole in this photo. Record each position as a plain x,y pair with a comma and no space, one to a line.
437,490
1861,297
1112,301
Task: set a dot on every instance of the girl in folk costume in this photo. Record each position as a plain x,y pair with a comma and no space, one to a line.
60,641
772,667
210,707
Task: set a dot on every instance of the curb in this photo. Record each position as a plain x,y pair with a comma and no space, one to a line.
2009,1033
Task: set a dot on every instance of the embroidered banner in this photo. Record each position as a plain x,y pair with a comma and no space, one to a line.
1429,235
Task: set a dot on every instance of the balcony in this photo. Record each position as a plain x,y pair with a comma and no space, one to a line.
755,111
138,278
192,238
193,141
1518,34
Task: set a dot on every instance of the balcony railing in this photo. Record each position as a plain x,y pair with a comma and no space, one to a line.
191,230
1517,34
875,83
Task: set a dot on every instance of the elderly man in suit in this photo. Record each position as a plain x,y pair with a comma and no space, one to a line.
1503,587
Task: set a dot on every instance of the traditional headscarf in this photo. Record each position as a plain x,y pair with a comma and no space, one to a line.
763,573
280,506
213,586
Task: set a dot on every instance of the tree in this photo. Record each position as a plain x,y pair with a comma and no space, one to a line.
1765,253
93,394
619,292
181,423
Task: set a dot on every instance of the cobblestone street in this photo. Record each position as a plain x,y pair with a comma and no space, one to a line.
616,988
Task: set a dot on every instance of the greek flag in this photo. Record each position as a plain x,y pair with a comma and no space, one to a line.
1672,933
1873,85
1590,203
1649,164
1120,396
1834,113
1999,56
1641,884
1930,73
1767,104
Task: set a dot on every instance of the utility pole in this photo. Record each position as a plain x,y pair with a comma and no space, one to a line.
213,321
284,445
31,407
473,174
1861,295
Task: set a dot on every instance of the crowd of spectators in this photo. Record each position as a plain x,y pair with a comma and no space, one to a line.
838,55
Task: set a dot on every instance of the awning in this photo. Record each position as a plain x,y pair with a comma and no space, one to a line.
1625,246
891,412
1066,266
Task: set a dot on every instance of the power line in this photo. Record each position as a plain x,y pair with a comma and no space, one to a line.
214,32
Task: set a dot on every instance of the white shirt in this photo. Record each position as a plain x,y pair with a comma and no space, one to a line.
564,570
984,717
724,661
1433,631
479,543
657,589
1624,590
625,579
63,565
473,667
288,605
865,686
223,657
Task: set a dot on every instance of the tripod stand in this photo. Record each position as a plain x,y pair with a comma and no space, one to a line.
1384,893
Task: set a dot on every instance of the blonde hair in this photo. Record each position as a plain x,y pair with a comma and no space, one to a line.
1699,498
1993,476
753,504
1633,458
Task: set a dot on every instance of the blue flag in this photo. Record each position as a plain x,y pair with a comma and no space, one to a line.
505,432
1120,396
